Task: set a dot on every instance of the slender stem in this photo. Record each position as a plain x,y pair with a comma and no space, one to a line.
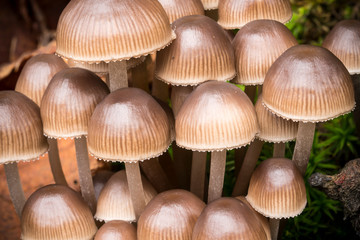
85,178
304,141
140,76
356,114
160,90
279,150
239,159
135,187
117,75
217,173
14,184
198,174
251,92
156,175
167,164
274,228
182,157
55,162
247,168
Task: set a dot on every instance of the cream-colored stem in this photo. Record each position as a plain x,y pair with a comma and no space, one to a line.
356,114
55,163
135,187
182,158
251,92
160,90
15,188
117,75
156,175
239,159
217,173
247,168
274,228
304,141
85,178
198,170
279,150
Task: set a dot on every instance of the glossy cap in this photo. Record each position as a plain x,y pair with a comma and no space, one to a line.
170,215
112,30
309,84
277,189
115,202
257,45
210,4
176,9
216,116
69,102
116,230
235,14
129,126
36,75
56,212
200,52
228,219
344,41
21,129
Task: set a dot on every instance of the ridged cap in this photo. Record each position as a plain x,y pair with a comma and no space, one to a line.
216,116
277,189
273,128
257,45
21,129
69,102
234,14
344,41
112,30
170,215
178,96
228,219
200,52
309,84
116,230
210,4
176,9
115,202
36,75
130,126
56,212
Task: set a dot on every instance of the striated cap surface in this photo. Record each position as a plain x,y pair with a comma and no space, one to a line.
116,230
176,9
210,4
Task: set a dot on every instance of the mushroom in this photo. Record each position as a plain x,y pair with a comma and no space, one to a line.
176,9
116,230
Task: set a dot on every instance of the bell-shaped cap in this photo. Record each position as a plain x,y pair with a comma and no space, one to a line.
176,9
116,230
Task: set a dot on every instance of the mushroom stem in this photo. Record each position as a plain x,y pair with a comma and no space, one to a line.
182,162
251,92
217,173
14,184
55,162
156,175
247,168
304,141
85,178
117,75
198,170
135,187
239,159
356,113
160,90
139,76
279,150
274,228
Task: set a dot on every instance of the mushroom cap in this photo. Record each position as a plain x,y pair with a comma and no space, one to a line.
277,189
227,219
21,129
115,202
69,102
36,75
56,212
116,230
200,52
309,84
130,126
210,4
170,215
344,41
235,14
176,9
216,116
257,45
112,30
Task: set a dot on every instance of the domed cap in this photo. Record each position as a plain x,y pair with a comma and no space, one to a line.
176,9
115,202
21,129
69,102
216,116
116,230
36,75
277,189
344,41
227,219
257,45
56,212
273,128
112,30
309,84
210,4
200,52
235,14
170,215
